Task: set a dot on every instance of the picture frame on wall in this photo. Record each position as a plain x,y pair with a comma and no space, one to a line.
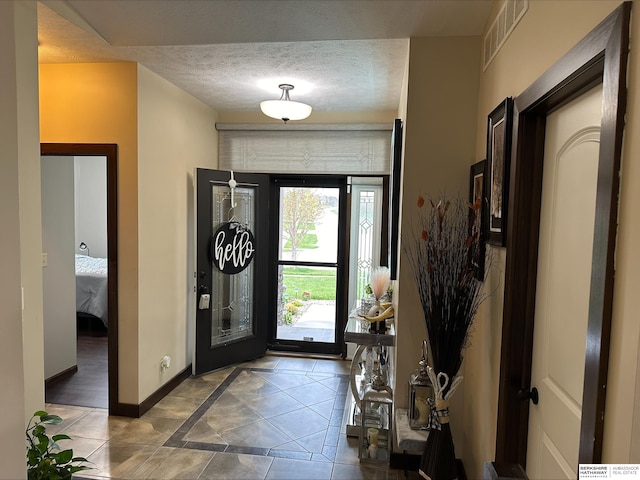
394,211
499,132
477,223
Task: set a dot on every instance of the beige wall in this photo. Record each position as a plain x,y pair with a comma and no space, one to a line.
29,185
547,31
442,98
176,133
21,368
97,103
59,276
162,134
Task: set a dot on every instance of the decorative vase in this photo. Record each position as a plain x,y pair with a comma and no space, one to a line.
439,457
376,309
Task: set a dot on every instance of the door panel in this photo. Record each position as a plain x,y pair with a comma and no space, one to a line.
563,286
309,267
232,327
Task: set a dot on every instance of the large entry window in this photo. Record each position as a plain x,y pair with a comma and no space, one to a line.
310,239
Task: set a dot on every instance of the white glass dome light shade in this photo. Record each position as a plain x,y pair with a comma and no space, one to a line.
285,109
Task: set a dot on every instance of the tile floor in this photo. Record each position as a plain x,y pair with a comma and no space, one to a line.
273,418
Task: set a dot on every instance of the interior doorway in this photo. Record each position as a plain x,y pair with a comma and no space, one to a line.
599,59
84,245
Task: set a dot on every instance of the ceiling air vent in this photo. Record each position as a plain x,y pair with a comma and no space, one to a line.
510,14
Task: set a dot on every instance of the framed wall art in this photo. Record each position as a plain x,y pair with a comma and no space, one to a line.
477,214
498,161
394,211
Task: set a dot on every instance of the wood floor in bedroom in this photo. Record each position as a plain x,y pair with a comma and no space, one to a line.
88,387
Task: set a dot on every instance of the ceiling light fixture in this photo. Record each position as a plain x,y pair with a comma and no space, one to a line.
285,109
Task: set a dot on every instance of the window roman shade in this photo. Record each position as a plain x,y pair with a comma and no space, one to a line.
306,148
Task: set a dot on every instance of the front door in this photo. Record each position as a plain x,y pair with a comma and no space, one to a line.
308,274
569,185
231,264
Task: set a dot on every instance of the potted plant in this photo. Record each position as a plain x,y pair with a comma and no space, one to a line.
439,252
45,460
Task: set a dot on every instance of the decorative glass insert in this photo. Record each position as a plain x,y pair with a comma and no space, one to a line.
232,295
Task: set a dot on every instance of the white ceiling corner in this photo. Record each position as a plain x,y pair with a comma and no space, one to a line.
344,56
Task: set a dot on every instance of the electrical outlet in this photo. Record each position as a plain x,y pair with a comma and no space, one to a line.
165,362
45,259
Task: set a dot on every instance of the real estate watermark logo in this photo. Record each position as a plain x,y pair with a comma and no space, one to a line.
618,470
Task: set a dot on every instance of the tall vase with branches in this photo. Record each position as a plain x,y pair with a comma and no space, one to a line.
439,252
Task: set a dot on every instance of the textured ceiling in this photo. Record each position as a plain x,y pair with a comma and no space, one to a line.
232,54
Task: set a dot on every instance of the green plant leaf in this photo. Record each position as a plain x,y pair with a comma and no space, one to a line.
63,457
51,419
43,443
78,468
60,436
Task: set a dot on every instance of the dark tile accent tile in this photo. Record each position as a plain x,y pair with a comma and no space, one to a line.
332,436
247,450
339,401
329,452
210,447
336,418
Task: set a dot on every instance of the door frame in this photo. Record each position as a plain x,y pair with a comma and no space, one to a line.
600,58
110,151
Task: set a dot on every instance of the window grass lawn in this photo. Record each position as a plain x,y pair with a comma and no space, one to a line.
319,282
309,241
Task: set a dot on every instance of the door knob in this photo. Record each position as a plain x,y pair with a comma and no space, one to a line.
524,395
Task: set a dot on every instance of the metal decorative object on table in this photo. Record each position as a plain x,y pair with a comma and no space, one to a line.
421,394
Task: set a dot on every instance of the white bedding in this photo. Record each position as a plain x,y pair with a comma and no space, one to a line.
91,286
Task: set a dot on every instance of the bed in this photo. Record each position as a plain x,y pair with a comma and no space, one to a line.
91,287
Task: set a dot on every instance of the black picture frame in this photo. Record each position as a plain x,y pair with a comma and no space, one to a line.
499,133
477,214
394,211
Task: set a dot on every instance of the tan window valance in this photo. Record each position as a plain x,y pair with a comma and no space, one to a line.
306,148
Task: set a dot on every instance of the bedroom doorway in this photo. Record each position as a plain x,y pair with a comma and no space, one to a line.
79,236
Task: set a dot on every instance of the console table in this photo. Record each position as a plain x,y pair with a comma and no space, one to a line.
369,345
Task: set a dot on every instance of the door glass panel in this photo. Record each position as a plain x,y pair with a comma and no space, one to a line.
309,224
232,295
365,239
307,306
366,214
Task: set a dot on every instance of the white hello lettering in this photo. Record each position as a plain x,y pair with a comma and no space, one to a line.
237,252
